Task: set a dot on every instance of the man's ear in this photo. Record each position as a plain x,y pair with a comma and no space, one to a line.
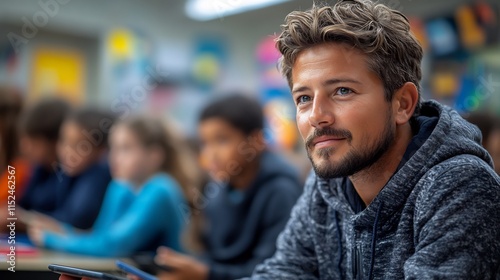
404,102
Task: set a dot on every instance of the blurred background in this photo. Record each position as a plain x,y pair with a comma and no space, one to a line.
171,57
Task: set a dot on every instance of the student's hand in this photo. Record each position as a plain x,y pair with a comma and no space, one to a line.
183,267
24,215
46,223
35,234
40,223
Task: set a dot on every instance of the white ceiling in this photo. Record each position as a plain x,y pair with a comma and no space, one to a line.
160,17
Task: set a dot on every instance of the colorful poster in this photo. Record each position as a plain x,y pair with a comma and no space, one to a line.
209,62
58,71
279,108
442,36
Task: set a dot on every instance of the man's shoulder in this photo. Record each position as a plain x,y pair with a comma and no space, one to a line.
462,175
463,167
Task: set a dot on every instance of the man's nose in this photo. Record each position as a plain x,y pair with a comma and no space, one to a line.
321,114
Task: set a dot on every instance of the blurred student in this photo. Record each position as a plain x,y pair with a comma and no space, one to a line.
490,130
250,204
144,204
84,176
39,128
10,109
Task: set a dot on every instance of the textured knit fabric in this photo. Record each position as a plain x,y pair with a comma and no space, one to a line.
438,217
130,221
242,227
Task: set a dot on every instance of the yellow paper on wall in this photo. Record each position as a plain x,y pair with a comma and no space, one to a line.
58,71
444,84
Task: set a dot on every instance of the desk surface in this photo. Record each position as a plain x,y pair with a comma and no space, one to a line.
40,260
44,257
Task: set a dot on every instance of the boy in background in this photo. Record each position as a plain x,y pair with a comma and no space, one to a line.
39,130
250,200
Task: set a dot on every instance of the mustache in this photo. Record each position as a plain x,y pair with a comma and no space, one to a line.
328,131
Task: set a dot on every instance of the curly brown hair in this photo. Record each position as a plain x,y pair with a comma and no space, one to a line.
379,32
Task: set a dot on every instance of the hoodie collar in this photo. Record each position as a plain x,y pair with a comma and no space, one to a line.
422,127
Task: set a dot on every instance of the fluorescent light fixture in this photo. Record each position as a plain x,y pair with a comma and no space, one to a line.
203,10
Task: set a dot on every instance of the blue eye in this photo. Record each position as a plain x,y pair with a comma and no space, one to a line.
343,91
303,99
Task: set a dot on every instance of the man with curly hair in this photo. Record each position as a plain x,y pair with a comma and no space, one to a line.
401,188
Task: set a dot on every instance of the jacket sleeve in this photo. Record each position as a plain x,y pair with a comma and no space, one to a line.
295,256
276,214
457,227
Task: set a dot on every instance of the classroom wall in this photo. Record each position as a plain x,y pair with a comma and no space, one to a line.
85,25
174,32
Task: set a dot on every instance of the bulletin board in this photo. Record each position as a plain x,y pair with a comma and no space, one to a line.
463,47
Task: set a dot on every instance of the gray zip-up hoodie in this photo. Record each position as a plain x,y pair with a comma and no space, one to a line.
438,217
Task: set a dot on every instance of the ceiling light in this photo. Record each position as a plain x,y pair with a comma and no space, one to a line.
204,10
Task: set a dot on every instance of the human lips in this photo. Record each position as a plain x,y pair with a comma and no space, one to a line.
325,141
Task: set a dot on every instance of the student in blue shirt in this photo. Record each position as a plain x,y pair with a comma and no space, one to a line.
144,206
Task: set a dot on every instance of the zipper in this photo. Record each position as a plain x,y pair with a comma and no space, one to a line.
357,268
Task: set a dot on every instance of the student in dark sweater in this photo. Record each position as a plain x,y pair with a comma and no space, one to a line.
82,177
250,200
39,130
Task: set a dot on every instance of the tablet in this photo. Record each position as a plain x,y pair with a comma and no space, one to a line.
78,272
135,271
